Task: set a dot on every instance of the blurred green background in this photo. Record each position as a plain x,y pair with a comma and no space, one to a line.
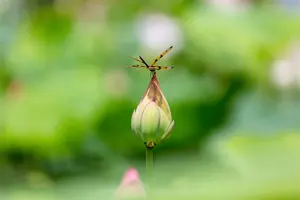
66,98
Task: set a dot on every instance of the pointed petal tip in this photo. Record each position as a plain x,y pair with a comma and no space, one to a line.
131,174
131,186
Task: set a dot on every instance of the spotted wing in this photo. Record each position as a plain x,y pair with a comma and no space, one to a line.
136,66
161,55
136,59
162,67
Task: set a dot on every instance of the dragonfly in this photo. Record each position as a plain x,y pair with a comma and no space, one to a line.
152,68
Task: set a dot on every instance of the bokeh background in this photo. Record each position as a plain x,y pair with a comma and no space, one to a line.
66,98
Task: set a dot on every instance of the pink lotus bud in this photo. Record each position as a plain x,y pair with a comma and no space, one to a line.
131,186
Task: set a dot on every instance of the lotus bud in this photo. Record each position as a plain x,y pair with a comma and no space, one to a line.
152,119
131,186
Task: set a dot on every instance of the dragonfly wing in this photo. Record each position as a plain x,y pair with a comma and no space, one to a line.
136,66
161,55
136,59
162,67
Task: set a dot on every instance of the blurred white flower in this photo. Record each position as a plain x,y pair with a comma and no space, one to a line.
283,73
286,71
231,5
157,32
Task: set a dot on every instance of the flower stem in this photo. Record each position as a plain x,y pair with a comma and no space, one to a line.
149,163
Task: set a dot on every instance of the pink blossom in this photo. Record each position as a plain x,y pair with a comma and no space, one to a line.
131,186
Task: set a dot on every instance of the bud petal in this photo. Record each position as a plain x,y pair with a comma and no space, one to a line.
134,122
168,131
150,120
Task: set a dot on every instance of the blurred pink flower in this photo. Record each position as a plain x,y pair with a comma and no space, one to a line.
131,186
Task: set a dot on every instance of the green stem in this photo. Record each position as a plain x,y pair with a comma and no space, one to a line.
149,163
